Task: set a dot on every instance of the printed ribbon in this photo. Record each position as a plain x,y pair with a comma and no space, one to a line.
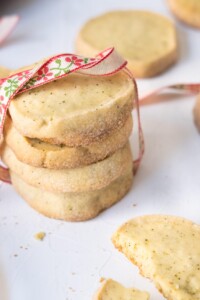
190,88
7,24
106,63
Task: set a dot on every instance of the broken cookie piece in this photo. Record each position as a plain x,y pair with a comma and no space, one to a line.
113,290
167,250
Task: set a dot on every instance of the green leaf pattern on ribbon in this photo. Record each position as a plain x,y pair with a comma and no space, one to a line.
31,82
13,84
59,68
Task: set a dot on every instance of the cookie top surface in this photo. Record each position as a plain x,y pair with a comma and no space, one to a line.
75,110
73,95
137,35
167,249
112,290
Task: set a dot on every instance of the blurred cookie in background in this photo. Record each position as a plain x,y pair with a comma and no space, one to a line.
187,11
146,39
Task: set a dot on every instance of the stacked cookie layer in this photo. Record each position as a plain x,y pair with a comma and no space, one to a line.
66,144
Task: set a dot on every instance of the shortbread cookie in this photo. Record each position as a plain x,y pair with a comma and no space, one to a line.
74,206
187,11
147,40
167,250
112,290
40,154
88,178
4,72
197,113
75,110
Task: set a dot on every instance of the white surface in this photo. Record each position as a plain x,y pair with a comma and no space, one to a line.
68,264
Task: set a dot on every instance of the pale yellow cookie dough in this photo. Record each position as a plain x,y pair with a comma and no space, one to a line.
187,11
146,39
75,110
36,153
74,206
113,290
83,179
167,250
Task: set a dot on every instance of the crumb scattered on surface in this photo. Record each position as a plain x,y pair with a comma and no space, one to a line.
15,255
134,204
40,236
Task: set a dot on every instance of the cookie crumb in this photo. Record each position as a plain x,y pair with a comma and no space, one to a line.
40,236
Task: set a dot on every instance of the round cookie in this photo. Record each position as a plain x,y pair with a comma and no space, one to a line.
88,178
40,154
187,11
74,206
75,110
197,113
147,40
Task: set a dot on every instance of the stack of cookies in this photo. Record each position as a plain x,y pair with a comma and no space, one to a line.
66,144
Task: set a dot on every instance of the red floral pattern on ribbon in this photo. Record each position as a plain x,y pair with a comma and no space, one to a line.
106,63
44,74
74,60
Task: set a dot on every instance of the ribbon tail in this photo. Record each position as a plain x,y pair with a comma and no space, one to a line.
136,162
4,172
4,175
185,88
